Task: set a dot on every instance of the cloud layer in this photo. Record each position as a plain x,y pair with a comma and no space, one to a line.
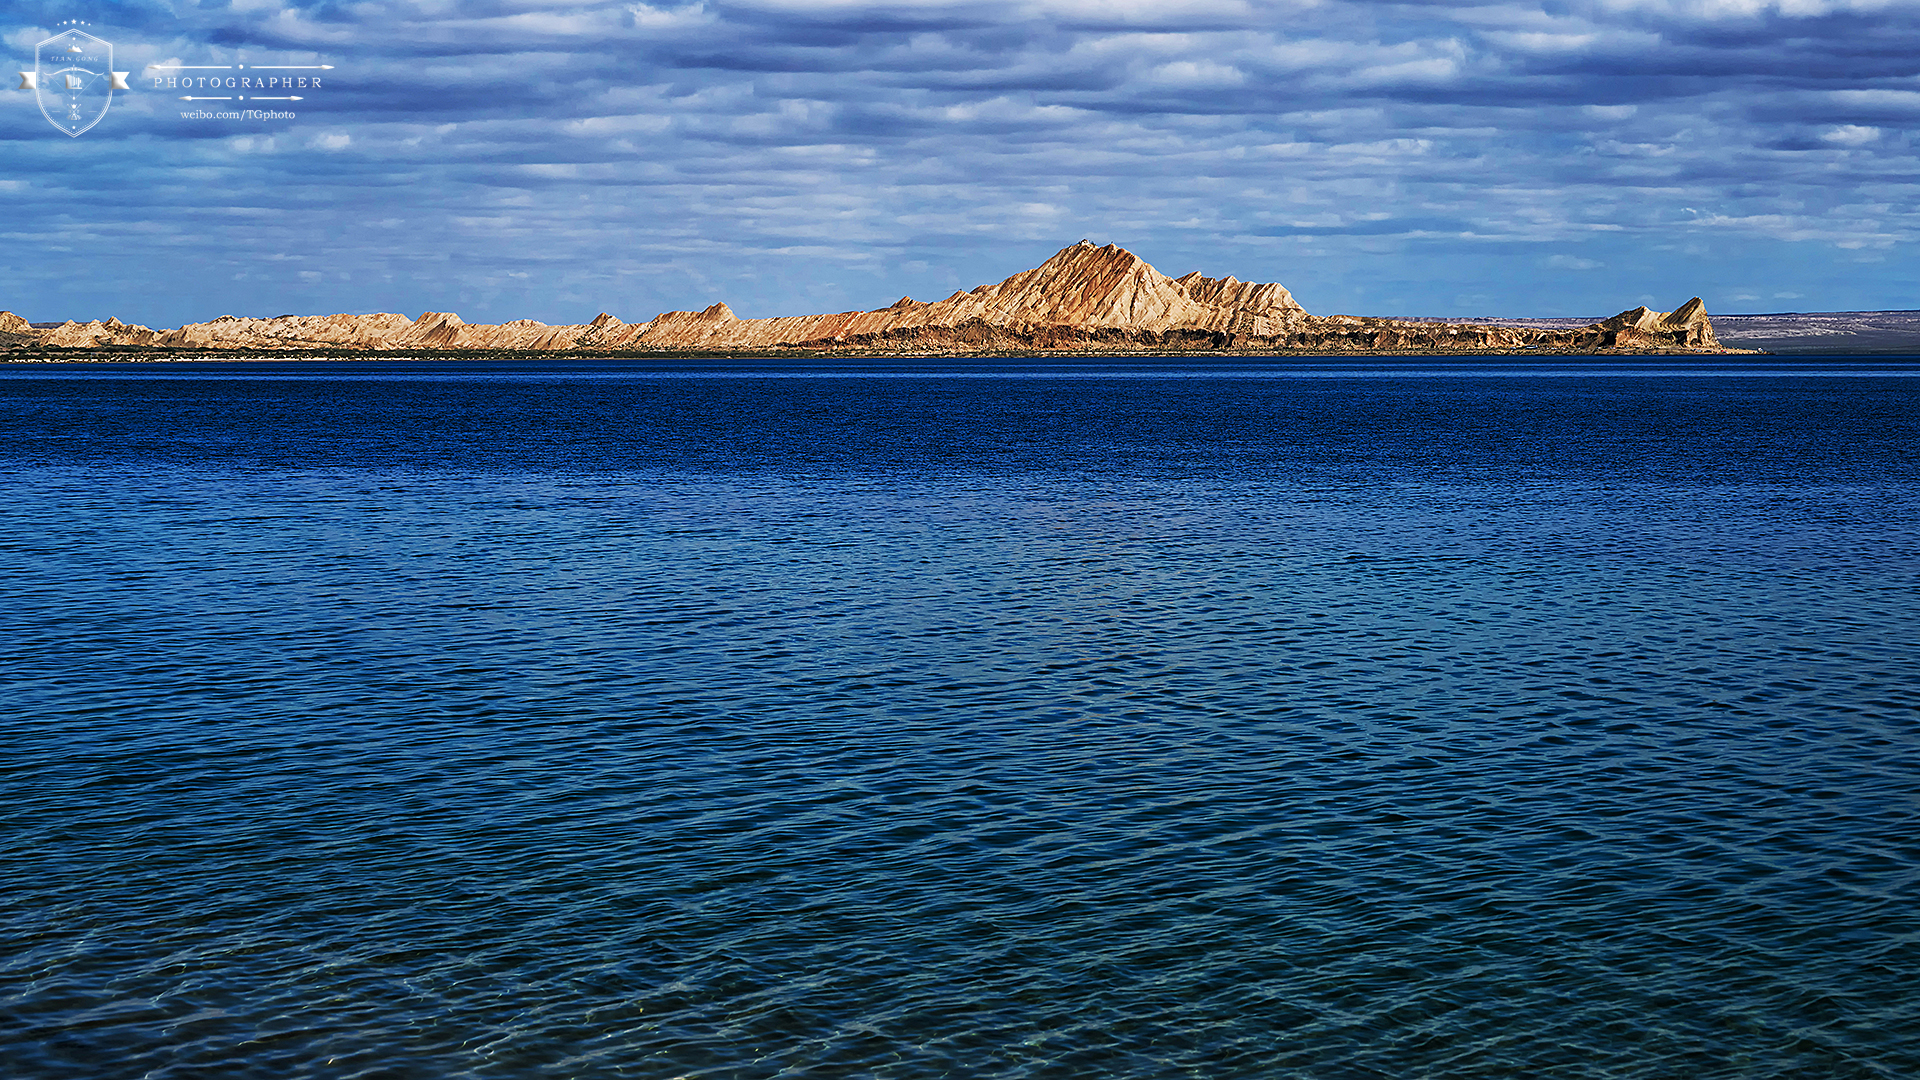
515,158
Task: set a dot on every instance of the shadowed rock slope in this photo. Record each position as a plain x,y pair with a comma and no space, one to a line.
1103,299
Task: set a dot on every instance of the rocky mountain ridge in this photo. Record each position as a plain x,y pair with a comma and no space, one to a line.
1087,298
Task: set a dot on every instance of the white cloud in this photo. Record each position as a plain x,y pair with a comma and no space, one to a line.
1196,73
1433,70
1536,41
656,19
1850,135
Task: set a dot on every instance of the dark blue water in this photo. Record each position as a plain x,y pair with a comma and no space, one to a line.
1097,720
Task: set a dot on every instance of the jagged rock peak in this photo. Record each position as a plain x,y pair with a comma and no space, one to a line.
1686,326
1688,312
1088,287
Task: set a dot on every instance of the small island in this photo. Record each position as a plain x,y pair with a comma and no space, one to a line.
1085,299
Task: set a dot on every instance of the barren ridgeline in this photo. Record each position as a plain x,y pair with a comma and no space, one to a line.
1085,298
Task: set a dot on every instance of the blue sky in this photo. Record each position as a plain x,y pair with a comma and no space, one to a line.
520,159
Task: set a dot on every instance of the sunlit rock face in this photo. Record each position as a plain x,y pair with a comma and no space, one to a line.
1101,299
1685,327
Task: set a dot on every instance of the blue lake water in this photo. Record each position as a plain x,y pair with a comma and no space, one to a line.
1099,719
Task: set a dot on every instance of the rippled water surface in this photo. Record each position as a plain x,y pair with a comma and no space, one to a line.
1110,720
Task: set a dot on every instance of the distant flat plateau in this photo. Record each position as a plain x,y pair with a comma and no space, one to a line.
1787,332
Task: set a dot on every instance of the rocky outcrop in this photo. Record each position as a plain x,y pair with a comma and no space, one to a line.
1686,327
1083,298
88,335
16,331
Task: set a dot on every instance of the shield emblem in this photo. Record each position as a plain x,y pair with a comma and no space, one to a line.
73,80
